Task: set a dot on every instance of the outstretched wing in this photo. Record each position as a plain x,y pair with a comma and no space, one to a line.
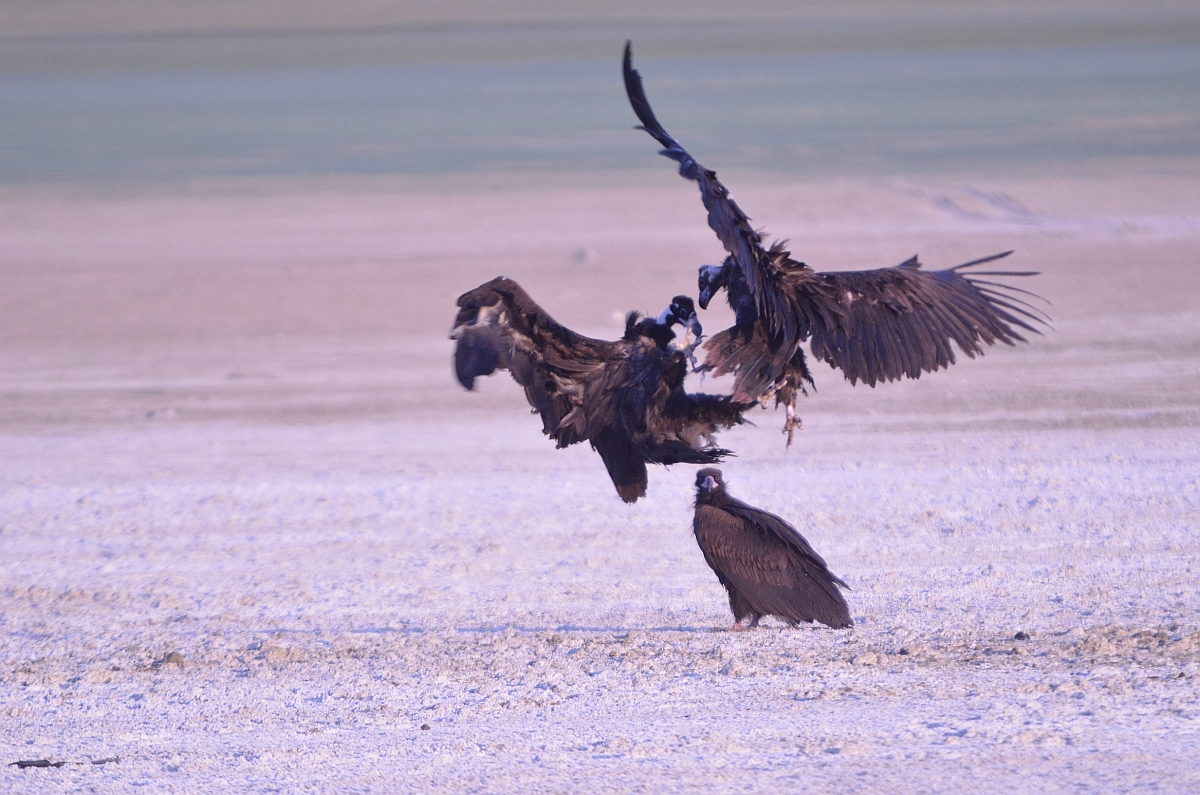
890,323
880,325
724,216
769,564
499,327
587,389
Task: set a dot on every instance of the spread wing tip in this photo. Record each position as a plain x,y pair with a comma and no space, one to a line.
982,260
641,105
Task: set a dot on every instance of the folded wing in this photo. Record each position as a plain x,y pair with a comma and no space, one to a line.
769,564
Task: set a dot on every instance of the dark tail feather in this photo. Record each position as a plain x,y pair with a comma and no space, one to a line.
624,462
817,595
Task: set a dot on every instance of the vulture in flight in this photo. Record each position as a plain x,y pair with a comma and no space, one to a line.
875,325
625,397
765,565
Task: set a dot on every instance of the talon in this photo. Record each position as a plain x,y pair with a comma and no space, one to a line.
689,349
791,424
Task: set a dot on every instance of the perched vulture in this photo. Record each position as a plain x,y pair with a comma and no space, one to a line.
625,397
765,565
874,325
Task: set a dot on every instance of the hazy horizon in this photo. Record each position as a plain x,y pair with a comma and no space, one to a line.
869,92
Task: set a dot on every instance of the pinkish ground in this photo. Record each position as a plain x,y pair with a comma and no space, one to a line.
228,428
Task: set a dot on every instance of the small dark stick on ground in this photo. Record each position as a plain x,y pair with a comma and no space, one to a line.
765,565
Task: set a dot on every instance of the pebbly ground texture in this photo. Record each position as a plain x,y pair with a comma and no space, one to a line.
256,539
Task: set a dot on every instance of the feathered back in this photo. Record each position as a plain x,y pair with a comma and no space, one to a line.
765,564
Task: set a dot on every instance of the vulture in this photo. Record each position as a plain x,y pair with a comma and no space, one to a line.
624,397
874,325
765,565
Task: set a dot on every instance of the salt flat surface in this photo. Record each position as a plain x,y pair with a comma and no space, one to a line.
221,440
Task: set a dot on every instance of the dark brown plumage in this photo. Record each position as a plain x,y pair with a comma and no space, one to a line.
625,397
765,565
876,325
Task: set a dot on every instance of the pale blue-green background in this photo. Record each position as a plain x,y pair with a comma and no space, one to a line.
860,94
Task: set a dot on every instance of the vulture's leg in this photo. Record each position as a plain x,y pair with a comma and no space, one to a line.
689,350
791,424
789,388
784,392
754,621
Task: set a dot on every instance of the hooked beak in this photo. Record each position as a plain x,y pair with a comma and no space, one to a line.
711,279
693,325
709,484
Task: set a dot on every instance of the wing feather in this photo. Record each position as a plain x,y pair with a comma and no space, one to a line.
564,374
890,323
731,225
624,397
879,325
769,564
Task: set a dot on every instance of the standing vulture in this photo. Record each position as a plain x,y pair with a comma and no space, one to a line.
765,565
875,325
625,397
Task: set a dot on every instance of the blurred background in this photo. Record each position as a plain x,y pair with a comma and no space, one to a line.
236,209
232,233
134,90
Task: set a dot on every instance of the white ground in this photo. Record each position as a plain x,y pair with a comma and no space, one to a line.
229,430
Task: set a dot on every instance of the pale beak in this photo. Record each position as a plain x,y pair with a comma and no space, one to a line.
709,484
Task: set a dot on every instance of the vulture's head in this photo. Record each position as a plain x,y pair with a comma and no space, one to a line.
713,278
682,311
709,483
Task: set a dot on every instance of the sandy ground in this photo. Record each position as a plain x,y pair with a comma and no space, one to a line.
228,429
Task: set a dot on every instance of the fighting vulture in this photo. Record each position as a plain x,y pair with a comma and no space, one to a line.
765,565
875,325
625,397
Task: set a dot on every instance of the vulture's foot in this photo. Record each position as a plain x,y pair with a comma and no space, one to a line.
689,350
791,425
737,627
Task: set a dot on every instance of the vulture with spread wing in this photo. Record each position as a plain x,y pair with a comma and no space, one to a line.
875,325
625,397
765,565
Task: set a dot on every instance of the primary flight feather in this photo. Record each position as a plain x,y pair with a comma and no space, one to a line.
874,325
